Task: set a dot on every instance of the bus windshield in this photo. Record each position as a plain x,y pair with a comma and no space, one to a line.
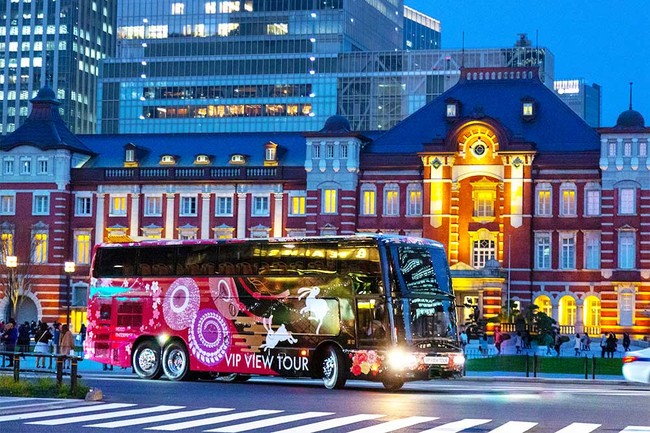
422,269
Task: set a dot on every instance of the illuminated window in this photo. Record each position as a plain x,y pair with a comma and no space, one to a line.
330,204
25,165
210,7
40,241
591,311
568,200
83,205
153,205
227,7
483,249
567,251
277,29
7,204
6,242
391,200
527,109
178,8
592,202
567,311
484,204
82,248
41,204
544,305
223,206
261,206
202,159
414,205
626,308
542,250
543,200
626,201
237,159
117,205
627,149
223,232
626,249
269,153
228,29
368,200
188,206
297,205
592,250
168,160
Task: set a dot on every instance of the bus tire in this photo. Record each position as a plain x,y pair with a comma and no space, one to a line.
175,361
334,374
233,378
146,360
393,384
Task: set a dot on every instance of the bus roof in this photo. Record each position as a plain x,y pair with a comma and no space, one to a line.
379,238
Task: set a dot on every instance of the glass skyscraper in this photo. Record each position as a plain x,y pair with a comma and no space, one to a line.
59,43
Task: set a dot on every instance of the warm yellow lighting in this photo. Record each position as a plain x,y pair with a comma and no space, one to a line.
69,267
12,261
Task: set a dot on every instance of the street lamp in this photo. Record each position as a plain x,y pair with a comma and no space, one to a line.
11,262
69,269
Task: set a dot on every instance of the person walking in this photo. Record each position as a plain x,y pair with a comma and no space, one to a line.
463,340
483,345
518,342
603,345
626,341
558,342
66,345
42,338
498,339
587,342
23,338
578,345
9,339
611,344
548,342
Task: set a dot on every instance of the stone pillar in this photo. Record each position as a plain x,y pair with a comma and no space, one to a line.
205,216
135,214
169,216
579,314
241,215
100,219
277,215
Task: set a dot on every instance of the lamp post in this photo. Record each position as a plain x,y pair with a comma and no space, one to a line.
11,262
69,268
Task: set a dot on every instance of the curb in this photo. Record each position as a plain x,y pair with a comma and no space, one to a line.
618,382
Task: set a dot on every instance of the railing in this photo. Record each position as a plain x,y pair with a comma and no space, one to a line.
186,173
59,363
532,329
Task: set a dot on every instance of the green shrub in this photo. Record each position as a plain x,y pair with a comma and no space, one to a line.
40,387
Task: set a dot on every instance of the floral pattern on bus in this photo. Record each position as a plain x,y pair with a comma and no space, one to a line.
365,362
181,303
224,295
209,337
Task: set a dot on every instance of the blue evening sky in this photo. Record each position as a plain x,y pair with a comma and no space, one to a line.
606,42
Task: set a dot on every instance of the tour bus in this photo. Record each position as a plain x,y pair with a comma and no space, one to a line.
372,307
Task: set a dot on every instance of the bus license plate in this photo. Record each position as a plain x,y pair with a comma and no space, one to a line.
436,360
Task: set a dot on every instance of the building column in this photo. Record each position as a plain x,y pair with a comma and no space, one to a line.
135,214
277,215
99,220
169,216
205,216
241,214
555,311
579,327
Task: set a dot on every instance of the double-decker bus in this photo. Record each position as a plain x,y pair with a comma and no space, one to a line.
372,307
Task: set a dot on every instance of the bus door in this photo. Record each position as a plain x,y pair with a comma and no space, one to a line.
372,321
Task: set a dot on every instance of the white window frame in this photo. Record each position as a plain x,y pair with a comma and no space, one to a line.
224,205
567,251
545,207
592,202
368,200
260,206
626,249
592,255
43,165
414,200
627,201
330,201
391,204
568,200
82,251
543,262
188,206
9,166
80,202
25,165
8,203
153,204
115,211
41,203
297,203
40,251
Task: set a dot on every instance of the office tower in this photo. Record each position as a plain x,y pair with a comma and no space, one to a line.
582,97
421,32
59,43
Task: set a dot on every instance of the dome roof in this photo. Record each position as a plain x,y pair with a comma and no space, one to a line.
630,119
336,124
46,94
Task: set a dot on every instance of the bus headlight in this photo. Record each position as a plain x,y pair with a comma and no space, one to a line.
458,360
399,359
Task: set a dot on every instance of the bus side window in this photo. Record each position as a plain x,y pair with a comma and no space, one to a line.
114,262
196,260
238,258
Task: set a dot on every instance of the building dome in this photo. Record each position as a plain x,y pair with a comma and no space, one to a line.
45,93
630,119
336,124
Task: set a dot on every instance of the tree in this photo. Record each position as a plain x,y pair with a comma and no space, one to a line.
16,282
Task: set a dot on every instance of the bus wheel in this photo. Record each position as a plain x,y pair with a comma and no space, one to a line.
176,364
334,376
393,384
146,360
233,377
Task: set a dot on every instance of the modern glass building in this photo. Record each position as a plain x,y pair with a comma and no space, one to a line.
59,43
583,98
421,32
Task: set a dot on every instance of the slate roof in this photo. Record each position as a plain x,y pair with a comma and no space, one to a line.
44,128
555,128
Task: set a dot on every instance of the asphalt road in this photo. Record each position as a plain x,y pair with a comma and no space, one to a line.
302,406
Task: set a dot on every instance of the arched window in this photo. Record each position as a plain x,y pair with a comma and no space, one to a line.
567,311
368,199
483,248
414,197
568,199
544,305
591,311
543,196
391,199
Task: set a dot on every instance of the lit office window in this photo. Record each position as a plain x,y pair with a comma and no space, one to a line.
543,200
330,204
40,241
297,205
178,8
82,248
117,205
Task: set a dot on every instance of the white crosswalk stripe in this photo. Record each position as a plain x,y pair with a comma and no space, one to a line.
514,427
213,420
97,416
158,418
457,426
333,423
254,425
396,424
636,429
579,427
59,412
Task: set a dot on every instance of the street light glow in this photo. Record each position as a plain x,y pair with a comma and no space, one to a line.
12,261
69,267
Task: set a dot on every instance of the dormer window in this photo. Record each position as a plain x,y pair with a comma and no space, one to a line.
202,160
129,155
237,158
528,109
452,109
270,153
168,160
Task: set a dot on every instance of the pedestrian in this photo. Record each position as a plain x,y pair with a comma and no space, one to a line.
498,339
548,342
603,345
578,345
56,336
23,338
518,342
587,342
9,339
483,345
626,341
528,340
557,340
611,344
82,332
42,338
66,345
463,340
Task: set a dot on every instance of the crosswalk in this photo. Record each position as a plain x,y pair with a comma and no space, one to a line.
229,420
